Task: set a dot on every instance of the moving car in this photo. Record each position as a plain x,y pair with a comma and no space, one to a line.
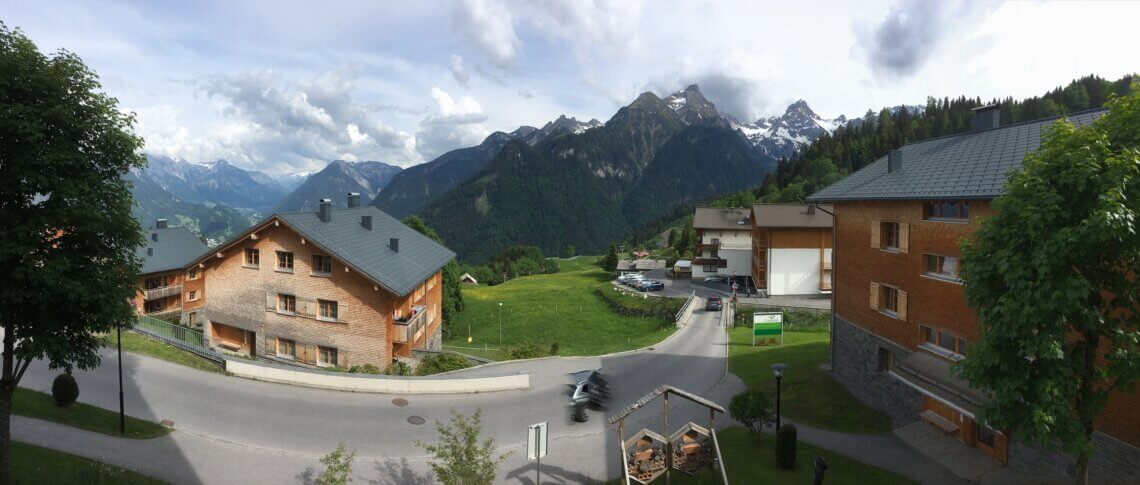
589,388
715,278
712,304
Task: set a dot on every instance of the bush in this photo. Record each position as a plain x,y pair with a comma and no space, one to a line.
751,409
437,363
786,446
524,350
398,369
364,369
794,320
64,389
554,348
338,467
663,309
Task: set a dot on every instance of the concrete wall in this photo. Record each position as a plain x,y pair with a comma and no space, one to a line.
374,383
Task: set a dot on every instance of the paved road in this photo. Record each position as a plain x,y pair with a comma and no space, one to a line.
297,425
681,287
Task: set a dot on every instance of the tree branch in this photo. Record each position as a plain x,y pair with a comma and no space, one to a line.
23,365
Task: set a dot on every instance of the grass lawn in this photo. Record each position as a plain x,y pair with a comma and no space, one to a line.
543,309
40,405
32,464
577,263
809,395
133,342
749,461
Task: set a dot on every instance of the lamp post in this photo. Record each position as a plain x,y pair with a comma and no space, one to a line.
778,369
500,324
122,411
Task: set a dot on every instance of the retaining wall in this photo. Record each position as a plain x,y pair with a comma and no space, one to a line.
375,383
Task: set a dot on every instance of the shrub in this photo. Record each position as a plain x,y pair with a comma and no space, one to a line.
554,348
398,368
751,409
786,446
364,369
524,350
338,467
64,389
437,363
663,309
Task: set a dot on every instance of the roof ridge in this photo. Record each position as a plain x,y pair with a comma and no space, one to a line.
1002,127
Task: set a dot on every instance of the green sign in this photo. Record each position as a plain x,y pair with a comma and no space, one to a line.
766,327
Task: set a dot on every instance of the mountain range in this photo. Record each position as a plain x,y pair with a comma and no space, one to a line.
334,182
216,182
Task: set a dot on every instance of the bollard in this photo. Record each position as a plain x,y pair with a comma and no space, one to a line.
820,469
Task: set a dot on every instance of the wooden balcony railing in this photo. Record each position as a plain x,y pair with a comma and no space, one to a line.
410,329
163,292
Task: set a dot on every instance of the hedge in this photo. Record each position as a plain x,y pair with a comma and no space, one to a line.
664,309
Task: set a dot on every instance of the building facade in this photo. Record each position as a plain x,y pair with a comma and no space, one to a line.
724,243
900,318
165,288
337,288
791,249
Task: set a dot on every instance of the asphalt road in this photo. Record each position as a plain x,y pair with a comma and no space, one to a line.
231,429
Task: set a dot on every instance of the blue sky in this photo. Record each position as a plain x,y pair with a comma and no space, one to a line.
286,86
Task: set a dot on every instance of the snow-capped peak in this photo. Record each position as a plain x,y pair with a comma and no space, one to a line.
781,136
692,106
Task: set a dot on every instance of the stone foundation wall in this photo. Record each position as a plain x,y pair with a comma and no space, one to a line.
856,367
1115,461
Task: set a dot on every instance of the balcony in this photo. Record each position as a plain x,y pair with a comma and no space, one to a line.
163,292
703,261
708,245
166,313
410,329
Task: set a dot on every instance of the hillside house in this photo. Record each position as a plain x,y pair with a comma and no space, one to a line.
724,243
791,249
900,318
166,287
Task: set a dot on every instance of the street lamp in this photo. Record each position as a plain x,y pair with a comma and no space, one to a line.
500,324
778,369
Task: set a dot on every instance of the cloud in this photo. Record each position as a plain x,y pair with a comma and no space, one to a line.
489,25
456,123
458,72
739,97
526,93
912,32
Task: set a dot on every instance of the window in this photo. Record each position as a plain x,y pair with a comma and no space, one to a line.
192,274
286,348
193,296
943,267
193,320
947,210
326,356
889,299
710,268
252,258
890,236
152,283
286,304
322,265
942,342
284,261
328,310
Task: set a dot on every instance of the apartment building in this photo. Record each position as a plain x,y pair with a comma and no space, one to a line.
724,243
336,287
900,317
791,249
165,287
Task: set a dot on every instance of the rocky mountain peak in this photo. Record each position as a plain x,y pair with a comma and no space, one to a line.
693,107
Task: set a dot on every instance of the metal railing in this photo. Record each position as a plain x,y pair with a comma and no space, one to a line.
185,338
688,303
163,292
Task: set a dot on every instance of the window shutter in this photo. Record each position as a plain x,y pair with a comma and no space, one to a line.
902,305
307,353
904,237
305,307
341,359
875,296
875,226
270,347
341,312
270,301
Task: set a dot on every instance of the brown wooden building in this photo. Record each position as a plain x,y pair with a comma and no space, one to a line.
791,249
166,287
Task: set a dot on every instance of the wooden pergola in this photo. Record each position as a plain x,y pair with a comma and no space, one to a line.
645,434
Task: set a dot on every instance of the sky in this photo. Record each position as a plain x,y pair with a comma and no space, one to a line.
286,86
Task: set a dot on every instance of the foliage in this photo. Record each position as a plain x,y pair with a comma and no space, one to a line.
66,210
513,262
398,368
452,288
524,350
442,362
139,344
570,251
661,309
64,389
554,348
796,320
338,467
33,464
786,446
1052,275
610,261
459,457
364,369
751,408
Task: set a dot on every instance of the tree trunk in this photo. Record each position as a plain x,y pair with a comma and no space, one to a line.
1083,469
6,434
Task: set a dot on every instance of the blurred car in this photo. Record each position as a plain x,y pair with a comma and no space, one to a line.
715,278
713,304
654,285
589,387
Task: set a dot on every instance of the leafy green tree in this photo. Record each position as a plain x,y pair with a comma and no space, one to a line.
460,458
1053,276
338,467
610,261
751,408
452,288
68,238
570,251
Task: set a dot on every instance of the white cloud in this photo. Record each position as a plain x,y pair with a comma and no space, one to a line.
456,123
488,24
913,31
457,71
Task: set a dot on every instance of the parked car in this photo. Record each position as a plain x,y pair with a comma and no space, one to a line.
639,284
715,278
653,285
712,304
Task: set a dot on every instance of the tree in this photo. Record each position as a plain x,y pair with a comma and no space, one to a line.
338,467
460,458
610,261
1053,277
570,251
452,288
69,240
751,408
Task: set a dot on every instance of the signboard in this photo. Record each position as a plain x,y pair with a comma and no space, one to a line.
768,328
536,440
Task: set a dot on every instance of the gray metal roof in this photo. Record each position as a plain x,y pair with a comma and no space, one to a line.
173,248
368,251
722,218
790,215
971,165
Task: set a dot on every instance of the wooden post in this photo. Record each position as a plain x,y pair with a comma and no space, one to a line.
668,443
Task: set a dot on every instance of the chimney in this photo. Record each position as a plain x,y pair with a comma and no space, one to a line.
160,224
154,236
986,117
894,161
325,213
353,200
150,251
366,221
394,243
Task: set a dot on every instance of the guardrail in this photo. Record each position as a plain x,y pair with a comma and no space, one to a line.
686,308
185,338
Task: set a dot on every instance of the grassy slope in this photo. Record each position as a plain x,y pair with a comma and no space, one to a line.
133,342
39,405
32,464
543,309
809,394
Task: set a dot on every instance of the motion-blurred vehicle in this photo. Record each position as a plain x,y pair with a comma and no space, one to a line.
589,388
713,304
715,278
